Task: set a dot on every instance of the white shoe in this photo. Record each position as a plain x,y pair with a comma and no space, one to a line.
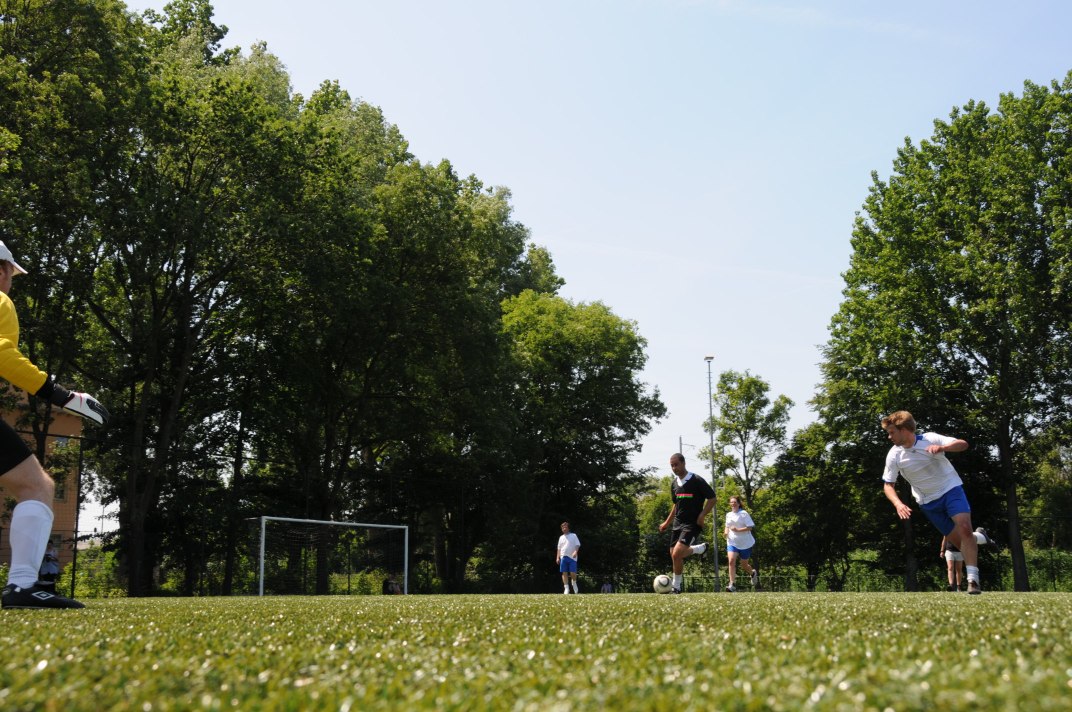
755,577
575,589
565,590
702,550
731,589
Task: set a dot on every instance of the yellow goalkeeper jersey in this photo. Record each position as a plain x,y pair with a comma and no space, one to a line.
14,367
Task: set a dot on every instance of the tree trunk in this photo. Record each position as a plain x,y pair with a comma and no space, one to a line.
1008,475
1016,542
911,582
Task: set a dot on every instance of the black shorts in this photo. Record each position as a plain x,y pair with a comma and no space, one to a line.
687,535
13,449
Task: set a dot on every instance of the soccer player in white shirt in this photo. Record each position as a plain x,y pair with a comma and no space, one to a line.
566,557
936,486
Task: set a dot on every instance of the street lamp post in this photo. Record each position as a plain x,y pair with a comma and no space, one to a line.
714,475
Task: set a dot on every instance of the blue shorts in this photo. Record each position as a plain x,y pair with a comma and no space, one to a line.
744,553
942,510
567,565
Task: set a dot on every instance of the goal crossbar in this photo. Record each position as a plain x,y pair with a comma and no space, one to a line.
355,525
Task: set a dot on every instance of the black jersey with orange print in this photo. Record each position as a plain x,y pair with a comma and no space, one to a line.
689,498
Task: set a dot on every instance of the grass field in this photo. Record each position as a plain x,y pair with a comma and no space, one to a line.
541,652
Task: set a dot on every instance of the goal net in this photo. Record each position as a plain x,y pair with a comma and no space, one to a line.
321,557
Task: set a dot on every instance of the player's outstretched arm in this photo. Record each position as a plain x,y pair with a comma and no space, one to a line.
903,510
81,404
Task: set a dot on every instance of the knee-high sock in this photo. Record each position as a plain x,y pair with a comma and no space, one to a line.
31,524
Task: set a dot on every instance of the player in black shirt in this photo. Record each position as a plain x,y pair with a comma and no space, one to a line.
693,500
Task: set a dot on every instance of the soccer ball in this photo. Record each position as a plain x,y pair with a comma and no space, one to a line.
662,584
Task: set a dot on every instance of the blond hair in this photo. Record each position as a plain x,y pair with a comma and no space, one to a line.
901,419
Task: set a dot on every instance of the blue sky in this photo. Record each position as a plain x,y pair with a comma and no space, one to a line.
694,164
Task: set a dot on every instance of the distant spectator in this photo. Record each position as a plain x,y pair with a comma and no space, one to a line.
391,587
50,569
607,587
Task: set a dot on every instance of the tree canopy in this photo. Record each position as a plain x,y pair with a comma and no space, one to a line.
288,313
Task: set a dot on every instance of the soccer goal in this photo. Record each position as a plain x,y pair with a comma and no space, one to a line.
318,557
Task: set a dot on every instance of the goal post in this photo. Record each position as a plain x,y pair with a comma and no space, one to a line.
332,528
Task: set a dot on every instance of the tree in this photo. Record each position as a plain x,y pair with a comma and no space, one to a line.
179,224
750,425
69,78
811,508
957,292
580,411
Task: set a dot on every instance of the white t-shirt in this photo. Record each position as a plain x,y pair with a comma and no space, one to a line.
740,518
931,476
568,545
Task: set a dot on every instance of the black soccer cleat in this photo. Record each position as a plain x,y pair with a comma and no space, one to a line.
35,597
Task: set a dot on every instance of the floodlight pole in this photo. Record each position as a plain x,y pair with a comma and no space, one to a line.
714,475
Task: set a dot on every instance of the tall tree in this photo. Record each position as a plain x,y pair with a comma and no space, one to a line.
581,410
810,508
181,218
958,286
750,425
70,77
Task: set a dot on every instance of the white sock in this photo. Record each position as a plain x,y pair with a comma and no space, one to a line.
677,580
973,573
31,525
699,548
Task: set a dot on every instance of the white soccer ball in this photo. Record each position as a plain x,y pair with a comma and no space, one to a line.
662,584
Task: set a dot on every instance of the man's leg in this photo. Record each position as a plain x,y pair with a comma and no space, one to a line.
31,520
963,538
31,525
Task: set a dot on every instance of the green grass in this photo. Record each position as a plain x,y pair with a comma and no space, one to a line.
621,652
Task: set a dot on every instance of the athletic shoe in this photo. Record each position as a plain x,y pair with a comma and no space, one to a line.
951,588
675,590
974,588
704,551
575,589
731,589
755,577
35,597
565,590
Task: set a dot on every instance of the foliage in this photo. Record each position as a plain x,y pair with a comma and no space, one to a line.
810,512
287,312
96,574
750,425
829,651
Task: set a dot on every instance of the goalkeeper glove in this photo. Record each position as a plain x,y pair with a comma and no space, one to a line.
81,404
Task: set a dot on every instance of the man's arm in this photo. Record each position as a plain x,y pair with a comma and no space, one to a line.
669,518
708,506
903,510
957,445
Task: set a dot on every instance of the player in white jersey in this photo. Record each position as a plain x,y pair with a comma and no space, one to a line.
921,460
